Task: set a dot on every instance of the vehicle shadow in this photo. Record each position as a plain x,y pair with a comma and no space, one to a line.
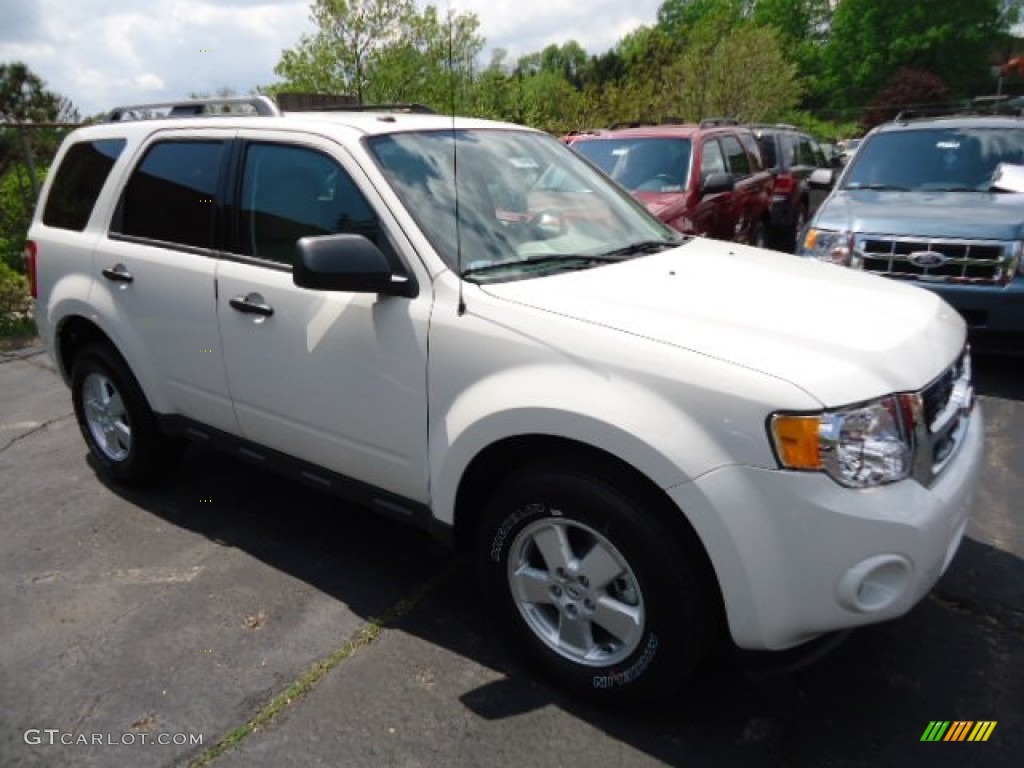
996,376
955,657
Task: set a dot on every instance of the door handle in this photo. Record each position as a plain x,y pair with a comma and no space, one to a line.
118,274
252,304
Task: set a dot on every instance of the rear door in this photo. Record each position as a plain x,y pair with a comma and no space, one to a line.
334,378
155,273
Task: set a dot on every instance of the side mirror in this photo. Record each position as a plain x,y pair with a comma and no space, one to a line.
717,182
822,178
346,263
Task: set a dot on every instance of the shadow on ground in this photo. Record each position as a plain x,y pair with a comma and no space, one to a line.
955,657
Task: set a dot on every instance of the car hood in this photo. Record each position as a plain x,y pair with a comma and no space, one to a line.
660,202
966,215
840,335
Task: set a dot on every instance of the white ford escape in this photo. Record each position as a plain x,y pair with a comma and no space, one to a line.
644,438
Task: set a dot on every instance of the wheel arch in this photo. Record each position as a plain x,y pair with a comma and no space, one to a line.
502,458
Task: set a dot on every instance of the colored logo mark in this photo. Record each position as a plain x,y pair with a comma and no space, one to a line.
959,730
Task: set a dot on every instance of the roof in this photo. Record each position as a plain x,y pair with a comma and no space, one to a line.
365,123
951,121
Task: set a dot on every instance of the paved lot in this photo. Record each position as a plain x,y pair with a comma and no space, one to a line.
195,608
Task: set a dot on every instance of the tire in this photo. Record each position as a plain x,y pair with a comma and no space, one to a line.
603,596
115,419
793,240
757,234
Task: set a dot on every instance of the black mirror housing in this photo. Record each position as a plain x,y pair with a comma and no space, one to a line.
345,263
714,183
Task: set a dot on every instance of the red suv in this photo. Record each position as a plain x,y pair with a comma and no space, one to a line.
702,179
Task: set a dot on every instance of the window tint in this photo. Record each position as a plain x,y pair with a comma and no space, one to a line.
78,182
739,163
805,153
766,143
170,196
293,192
712,160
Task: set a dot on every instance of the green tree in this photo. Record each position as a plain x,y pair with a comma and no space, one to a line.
383,51
871,40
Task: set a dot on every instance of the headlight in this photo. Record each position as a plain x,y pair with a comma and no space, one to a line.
858,447
827,245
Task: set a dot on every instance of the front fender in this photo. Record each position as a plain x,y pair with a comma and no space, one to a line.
638,425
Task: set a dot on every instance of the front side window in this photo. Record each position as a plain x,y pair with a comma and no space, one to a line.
936,159
735,155
712,159
171,195
78,182
291,192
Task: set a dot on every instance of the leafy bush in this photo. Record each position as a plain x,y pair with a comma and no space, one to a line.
15,303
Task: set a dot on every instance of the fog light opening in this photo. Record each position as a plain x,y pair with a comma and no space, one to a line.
874,584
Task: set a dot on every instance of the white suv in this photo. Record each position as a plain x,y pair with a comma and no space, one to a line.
644,437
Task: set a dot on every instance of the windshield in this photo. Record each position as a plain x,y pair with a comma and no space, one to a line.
525,202
939,159
641,164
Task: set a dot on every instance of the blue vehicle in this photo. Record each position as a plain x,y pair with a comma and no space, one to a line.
936,202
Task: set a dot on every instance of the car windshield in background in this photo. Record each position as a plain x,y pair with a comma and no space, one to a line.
641,164
948,159
526,204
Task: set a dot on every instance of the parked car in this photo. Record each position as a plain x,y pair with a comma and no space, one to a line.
644,438
701,179
791,156
922,202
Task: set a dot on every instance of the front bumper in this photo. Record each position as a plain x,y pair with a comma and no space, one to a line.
994,309
797,555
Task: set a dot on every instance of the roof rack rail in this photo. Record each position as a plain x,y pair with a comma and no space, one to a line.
261,105
295,101
713,122
629,124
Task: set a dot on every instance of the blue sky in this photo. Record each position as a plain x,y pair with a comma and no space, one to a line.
101,53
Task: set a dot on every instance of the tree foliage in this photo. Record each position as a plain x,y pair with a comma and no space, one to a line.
908,89
383,51
871,40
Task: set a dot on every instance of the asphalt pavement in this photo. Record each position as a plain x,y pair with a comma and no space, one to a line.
232,618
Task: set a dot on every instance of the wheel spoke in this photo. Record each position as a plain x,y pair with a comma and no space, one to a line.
599,566
122,435
531,585
620,620
115,406
576,634
553,544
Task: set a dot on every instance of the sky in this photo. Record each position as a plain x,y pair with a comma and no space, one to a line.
105,53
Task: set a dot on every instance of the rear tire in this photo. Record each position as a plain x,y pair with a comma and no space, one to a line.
602,595
115,419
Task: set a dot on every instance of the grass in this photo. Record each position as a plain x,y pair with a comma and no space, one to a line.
364,637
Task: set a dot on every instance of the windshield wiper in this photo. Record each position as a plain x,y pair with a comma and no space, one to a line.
568,260
879,187
644,246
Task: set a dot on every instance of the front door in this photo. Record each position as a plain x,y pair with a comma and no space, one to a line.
337,379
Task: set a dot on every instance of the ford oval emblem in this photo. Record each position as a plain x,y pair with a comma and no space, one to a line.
927,259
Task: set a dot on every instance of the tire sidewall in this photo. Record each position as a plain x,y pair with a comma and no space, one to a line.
669,647
140,462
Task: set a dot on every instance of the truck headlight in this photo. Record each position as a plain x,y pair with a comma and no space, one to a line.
859,447
827,245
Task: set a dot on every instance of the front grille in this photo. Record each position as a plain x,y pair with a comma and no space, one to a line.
962,261
945,407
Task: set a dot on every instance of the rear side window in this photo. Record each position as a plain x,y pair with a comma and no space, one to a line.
170,196
766,143
78,182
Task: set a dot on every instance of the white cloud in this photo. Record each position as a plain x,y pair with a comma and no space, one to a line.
100,53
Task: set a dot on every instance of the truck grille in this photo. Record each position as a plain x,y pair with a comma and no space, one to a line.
954,261
945,411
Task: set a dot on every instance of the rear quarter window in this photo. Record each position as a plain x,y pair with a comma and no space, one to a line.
78,182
